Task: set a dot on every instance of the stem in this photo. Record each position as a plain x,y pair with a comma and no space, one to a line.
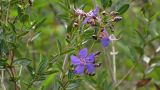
114,53
12,69
7,12
13,76
65,63
108,64
2,79
64,68
20,71
30,84
114,64
92,46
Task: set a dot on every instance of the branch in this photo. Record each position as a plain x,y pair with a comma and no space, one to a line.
114,53
2,79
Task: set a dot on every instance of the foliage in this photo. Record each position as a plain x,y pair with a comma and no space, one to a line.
38,38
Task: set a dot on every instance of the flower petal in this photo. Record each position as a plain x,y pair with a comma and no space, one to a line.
86,20
90,58
83,53
75,60
79,69
95,11
105,41
90,68
105,32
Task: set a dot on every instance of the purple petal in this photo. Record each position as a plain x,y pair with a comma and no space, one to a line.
86,20
90,68
105,32
75,60
90,58
95,11
79,69
83,53
105,41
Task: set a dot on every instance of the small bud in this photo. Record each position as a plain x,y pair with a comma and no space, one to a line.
116,19
113,13
104,13
30,2
94,37
97,65
91,74
97,53
75,24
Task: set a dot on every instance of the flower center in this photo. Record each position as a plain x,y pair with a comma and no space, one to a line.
83,61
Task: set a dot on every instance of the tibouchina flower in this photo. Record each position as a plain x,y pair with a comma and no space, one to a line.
83,62
91,17
104,38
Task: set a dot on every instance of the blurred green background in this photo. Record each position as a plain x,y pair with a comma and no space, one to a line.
138,33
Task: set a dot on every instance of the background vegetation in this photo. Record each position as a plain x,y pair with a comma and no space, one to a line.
34,43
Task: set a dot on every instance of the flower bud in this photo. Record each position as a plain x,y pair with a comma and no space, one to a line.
97,65
97,53
75,24
30,2
113,13
116,19
104,13
94,37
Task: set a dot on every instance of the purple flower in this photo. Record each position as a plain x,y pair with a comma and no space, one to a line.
80,12
104,38
91,16
84,62
94,13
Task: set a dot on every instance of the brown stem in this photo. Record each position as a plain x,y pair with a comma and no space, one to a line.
13,70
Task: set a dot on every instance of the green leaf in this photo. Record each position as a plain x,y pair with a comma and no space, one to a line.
12,27
48,81
50,72
141,37
156,59
31,71
22,61
123,8
133,54
36,36
59,46
42,65
139,50
3,63
38,24
106,3
24,18
72,86
22,34
69,27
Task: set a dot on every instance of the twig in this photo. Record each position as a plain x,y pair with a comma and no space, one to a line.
114,53
109,65
20,71
12,69
64,67
65,63
2,79
7,12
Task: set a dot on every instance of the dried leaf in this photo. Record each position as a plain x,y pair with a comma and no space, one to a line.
143,82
